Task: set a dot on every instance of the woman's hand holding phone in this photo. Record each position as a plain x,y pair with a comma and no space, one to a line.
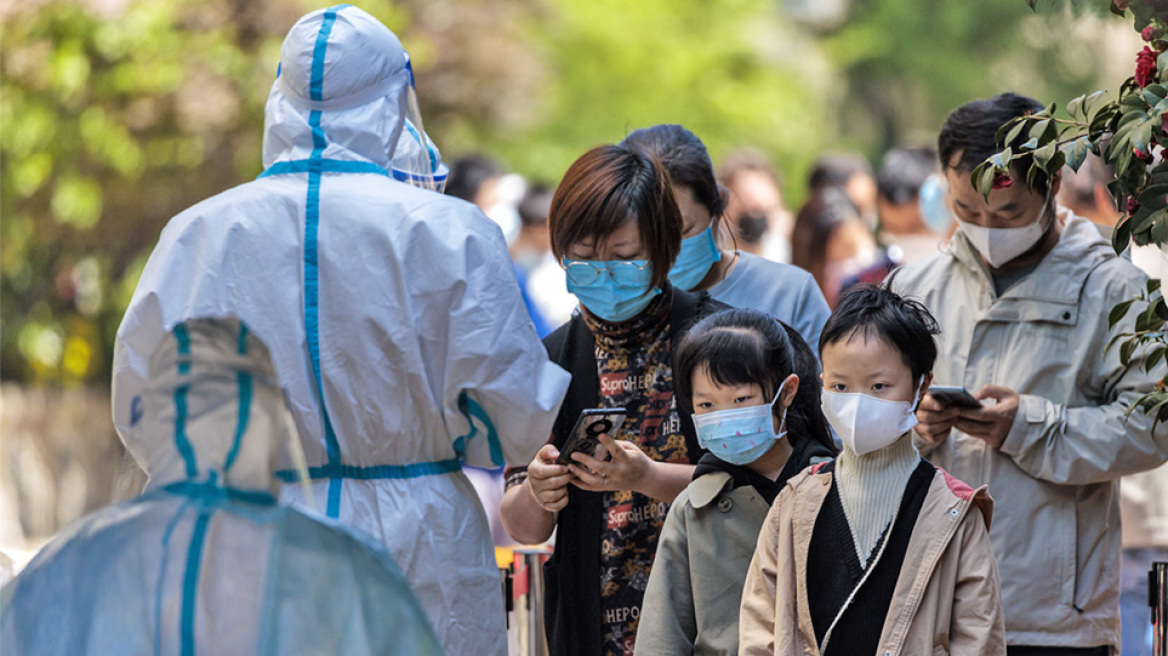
627,469
547,480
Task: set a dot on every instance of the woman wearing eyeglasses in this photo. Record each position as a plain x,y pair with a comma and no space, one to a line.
616,229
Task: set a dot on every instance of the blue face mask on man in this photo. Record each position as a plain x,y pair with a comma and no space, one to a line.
698,254
614,290
740,435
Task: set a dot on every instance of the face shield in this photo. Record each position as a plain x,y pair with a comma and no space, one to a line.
416,160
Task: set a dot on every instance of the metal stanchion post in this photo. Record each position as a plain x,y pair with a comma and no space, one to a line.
527,587
1158,600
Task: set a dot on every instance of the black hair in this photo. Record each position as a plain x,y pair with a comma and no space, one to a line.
742,346
536,205
902,172
685,158
970,132
467,175
836,169
904,324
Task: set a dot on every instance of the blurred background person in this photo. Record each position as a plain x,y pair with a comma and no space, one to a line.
903,231
755,213
1085,193
708,261
852,174
832,242
480,179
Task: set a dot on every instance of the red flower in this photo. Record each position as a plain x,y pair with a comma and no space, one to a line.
1145,66
1001,181
1133,205
1148,33
1142,156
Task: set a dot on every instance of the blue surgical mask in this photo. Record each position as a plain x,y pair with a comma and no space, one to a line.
931,199
740,435
698,254
614,290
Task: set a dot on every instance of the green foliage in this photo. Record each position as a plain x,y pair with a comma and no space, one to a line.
114,122
1127,132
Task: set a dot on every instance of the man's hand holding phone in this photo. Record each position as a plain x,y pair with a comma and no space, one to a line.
939,414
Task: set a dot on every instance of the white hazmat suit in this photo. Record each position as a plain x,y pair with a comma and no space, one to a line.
206,561
392,312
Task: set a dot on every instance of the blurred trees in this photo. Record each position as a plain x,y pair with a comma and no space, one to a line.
118,114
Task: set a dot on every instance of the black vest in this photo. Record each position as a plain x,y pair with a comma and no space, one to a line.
572,576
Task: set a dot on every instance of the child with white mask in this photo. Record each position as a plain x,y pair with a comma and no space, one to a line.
878,551
749,381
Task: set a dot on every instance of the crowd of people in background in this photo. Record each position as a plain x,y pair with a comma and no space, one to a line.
886,421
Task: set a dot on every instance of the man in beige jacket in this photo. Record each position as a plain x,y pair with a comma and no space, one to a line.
1022,293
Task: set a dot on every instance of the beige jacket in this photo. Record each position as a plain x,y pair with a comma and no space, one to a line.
947,598
1056,533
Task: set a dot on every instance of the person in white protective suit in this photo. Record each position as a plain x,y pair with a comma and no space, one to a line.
392,312
206,561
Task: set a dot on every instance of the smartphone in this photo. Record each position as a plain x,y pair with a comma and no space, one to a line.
954,396
585,434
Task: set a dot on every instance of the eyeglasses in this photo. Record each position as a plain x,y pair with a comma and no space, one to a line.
624,272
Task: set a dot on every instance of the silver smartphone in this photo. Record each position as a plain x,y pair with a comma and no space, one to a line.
585,434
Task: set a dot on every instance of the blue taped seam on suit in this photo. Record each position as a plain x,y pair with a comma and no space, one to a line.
213,494
162,578
311,262
472,410
375,472
243,379
180,432
323,166
184,348
180,403
191,583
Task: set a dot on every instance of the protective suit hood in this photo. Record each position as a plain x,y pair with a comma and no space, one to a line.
213,389
354,104
360,96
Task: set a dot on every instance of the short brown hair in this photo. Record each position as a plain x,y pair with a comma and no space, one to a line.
604,188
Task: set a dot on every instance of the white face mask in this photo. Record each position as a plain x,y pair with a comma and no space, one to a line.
865,423
1001,245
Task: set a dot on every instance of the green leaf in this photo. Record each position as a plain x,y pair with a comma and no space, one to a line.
1076,152
1038,130
983,181
1090,100
1114,339
1075,105
1133,102
1121,238
1156,357
1161,62
1154,196
1160,226
1154,93
1125,352
1118,312
1161,307
1010,130
1147,320
1044,155
1153,286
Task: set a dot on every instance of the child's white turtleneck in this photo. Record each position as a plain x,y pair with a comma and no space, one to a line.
871,487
